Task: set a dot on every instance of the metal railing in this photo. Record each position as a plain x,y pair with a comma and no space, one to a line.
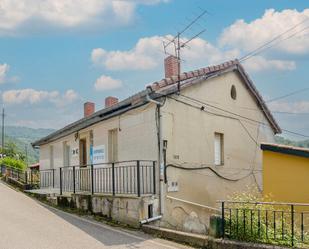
266,222
31,177
126,177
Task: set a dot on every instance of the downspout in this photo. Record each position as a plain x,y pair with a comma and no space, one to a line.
160,152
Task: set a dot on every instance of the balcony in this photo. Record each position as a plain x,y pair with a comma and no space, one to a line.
134,178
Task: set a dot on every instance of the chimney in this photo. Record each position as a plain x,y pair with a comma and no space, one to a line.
88,109
109,101
171,66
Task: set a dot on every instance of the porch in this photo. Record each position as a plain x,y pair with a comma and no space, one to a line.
133,178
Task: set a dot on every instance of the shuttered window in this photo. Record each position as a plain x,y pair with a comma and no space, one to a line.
218,149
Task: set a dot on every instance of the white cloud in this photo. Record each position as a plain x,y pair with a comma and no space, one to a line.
32,96
4,68
18,14
147,54
259,63
250,35
294,107
104,83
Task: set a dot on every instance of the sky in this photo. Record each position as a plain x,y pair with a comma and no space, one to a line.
57,54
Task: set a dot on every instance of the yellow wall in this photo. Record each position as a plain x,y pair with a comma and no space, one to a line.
286,177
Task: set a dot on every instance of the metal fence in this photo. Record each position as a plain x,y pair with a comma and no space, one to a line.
127,177
266,222
31,177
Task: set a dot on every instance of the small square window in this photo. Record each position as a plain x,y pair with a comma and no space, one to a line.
218,146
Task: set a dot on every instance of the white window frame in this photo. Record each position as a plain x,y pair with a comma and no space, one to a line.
218,149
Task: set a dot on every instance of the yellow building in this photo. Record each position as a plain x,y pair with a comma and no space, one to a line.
286,173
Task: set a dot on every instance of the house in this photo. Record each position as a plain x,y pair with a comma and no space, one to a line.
285,173
195,134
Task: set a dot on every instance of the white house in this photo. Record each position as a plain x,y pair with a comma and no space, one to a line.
194,137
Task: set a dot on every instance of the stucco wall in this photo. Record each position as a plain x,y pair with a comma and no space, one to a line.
137,139
286,177
190,136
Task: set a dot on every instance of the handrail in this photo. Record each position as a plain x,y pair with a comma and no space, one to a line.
264,203
96,164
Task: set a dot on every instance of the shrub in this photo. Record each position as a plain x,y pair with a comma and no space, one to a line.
13,163
247,219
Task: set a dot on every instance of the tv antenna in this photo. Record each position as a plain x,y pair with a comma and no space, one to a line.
178,44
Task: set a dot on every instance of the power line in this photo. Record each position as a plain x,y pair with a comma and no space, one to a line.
226,116
276,38
2,128
293,113
288,95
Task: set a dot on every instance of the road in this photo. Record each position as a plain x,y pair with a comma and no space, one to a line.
27,224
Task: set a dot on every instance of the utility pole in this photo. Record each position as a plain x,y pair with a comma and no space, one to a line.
2,129
26,152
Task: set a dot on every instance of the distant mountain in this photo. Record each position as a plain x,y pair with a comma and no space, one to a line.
23,137
282,140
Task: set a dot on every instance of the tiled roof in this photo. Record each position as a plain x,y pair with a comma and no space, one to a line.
192,74
186,79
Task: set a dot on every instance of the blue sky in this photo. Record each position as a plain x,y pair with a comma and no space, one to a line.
55,55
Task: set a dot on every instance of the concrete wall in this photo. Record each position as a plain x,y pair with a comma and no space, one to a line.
190,135
125,209
285,177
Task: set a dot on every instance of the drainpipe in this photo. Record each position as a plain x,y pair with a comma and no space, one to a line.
150,219
160,152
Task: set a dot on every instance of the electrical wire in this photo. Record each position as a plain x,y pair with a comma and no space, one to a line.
288,95
276,38
227,111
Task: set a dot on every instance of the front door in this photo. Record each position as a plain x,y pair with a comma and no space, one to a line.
83,152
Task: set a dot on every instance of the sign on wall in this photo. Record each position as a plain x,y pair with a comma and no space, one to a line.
98,154
74,152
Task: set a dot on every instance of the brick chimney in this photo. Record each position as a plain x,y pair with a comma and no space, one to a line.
171,66
109,101
88,109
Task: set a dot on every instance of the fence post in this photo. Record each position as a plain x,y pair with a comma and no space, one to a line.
31,178
17,175
92,183
74,179
113,178
292,224
60,170
26,177
138,178
223,221
154,176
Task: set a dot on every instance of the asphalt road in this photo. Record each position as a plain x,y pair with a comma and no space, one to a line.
27,224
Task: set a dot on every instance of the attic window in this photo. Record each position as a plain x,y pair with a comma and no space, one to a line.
233,92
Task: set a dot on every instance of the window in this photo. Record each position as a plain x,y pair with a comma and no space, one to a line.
51,157
233,92
66,154
113,145
218,149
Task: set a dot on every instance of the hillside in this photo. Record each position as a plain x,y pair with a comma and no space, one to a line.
23,137
282,140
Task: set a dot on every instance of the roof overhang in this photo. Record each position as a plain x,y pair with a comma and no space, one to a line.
284,149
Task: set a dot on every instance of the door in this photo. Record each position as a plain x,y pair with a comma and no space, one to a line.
83,152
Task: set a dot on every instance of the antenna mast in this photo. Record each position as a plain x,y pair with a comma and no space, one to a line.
176,40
